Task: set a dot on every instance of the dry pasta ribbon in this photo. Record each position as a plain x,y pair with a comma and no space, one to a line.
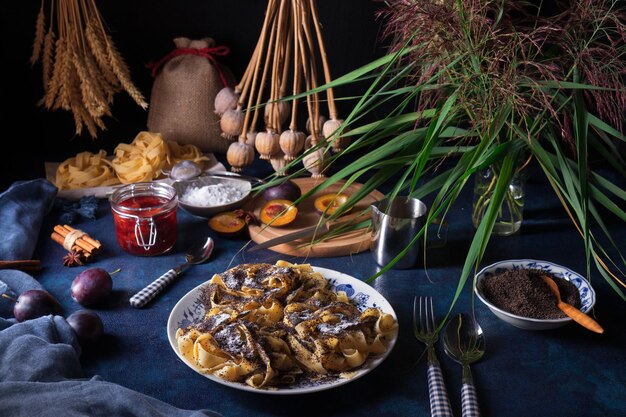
143,159
86,169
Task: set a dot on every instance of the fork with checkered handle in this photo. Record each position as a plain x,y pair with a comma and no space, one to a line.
426,332
196,255
144,296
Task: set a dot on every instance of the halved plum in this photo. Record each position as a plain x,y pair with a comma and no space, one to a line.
328,204
227,223
278,212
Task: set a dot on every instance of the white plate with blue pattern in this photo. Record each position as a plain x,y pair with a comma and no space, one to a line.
190,309
587,294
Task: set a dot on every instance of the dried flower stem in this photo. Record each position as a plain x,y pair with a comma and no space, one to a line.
296,73
273,122
306,26
268,19
290,31
332,108
306,68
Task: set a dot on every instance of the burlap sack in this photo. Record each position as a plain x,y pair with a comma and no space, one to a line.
183,95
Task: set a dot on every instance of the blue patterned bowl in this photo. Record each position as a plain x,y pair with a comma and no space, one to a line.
587,294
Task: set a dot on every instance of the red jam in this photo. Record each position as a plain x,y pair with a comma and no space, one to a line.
145,218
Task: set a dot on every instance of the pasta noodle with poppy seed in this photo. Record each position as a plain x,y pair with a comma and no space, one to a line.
279,325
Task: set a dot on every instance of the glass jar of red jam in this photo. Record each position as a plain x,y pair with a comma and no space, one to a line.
145,217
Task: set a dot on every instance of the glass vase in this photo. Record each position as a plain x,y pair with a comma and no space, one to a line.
511,212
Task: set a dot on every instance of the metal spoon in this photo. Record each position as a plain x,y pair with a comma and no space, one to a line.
188,170
196,255
577,315
464,342
184,170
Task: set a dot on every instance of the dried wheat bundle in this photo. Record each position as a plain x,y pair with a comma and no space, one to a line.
82,69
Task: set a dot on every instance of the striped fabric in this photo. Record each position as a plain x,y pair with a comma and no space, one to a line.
439,401
469,401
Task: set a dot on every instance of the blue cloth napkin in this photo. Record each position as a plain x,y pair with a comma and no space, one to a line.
86,206
22,209
41,375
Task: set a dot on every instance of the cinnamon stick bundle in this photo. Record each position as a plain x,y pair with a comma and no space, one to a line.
76,240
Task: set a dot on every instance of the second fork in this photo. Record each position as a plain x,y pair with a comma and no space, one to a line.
426,331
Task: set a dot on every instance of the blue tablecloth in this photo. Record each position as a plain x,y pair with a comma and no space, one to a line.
565,372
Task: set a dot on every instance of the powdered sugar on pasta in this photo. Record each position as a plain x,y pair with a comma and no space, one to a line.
211,195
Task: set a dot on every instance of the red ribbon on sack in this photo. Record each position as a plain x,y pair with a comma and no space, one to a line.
208,53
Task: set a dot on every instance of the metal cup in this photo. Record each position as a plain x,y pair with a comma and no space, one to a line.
395,223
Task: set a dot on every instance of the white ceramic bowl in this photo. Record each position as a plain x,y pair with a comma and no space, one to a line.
207,211
587,294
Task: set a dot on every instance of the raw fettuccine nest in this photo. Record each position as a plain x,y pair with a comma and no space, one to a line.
281,325
142,160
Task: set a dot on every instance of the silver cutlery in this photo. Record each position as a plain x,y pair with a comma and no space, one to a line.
427,332
196,255
464,342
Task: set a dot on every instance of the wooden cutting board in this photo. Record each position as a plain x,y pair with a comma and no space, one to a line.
340,245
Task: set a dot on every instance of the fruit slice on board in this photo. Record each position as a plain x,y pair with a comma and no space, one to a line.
328,204
227,223
278,212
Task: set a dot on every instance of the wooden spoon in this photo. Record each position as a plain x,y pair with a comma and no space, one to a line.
577,315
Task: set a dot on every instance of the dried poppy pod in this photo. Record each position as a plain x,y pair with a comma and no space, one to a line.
310,142
315,162
251,138
321,119
291,142
239,155
226,99
267,144
284,110
231,123
279,163
329,130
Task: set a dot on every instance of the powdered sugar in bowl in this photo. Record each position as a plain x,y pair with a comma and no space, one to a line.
205,196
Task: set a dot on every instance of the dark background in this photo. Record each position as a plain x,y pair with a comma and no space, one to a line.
143,30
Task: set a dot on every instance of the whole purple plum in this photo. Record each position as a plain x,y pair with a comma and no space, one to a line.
36,303
88,326
91,286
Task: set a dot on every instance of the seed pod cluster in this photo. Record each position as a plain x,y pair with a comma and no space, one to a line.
286,54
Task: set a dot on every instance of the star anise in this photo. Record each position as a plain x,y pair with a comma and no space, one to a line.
247,216
74,258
